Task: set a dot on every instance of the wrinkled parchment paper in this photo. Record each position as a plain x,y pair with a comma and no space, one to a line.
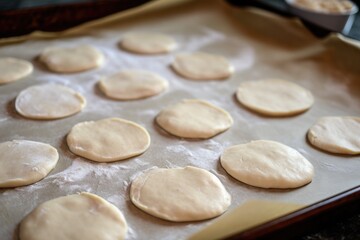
260,45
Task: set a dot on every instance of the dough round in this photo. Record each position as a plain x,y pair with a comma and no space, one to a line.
72,59
25,162
274,97
148,43
76,217
12,69
202,66
180,194
267,164
108,140
336,135
133,84
49,101
193,118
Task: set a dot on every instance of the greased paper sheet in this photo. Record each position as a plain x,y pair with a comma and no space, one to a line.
260,46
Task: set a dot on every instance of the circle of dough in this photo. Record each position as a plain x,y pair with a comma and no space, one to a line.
193,118
49,101
72,59
13,69
133,84
25,162
336,135
108,140
148,43
267,164
202,66
187,194
76,217
274,97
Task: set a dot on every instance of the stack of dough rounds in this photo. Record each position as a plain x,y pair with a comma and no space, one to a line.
193,118
72,59
202,66
336,135
180,194
148,43
108,140
49,101
13,69
25,162
133,84
267,164
274,97
76,217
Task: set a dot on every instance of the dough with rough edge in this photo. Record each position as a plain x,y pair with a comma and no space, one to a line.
25,162
336,135
132,84
274,97
108,140
180,194
49,101
76,217
202,66
148,43
193,118
13,69
72,59
267,164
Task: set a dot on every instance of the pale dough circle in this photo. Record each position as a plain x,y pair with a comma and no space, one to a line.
148,43
180,194
193,118
76,217
274,97
25,162
267,164
49,101
72,59
336,135
132,84
202,66
13,69
108,140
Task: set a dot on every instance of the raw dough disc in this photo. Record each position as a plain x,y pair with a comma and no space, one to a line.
202,66
336,134
76,217
267,164
133,84
49,101
25,162
148,43
193,118
108,140
187,194
12,69
72,59
274,97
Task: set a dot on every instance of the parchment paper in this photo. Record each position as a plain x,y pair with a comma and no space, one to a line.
260,45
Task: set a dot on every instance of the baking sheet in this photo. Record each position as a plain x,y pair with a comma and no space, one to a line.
260,45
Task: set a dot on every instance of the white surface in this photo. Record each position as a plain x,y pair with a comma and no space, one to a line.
275,48
180,194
